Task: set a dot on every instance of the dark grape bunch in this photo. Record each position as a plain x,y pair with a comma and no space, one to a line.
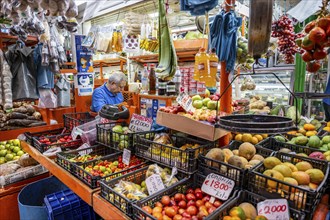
284,31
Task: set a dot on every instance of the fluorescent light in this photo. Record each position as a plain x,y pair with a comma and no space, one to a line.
153,15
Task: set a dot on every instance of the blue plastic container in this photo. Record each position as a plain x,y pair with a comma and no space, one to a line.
31,198
66,205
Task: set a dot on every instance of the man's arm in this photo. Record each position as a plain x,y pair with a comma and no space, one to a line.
98,101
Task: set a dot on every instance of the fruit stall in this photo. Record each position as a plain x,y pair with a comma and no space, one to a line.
225,112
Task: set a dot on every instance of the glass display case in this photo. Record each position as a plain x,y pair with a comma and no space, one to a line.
267,86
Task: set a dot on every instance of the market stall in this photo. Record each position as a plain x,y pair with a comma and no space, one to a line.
210,110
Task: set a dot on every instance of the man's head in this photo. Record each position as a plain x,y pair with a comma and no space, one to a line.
116,82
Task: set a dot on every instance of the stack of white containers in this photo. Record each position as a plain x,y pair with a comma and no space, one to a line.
188,84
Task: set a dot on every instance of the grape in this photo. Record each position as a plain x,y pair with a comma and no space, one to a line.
284,31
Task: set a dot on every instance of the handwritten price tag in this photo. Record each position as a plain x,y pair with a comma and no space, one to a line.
154,184
185,101
126,156
140,123
274,209
218,186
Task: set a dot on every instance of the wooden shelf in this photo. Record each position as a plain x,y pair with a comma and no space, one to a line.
12,134
90,196
105,209
6,39
184,55
78,187
63,71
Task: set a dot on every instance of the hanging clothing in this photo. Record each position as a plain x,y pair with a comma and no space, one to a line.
22,67
198,7
63,92
45,77
223,33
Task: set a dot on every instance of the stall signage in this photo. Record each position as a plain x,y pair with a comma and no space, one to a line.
218,186
140,123
126,156
154,184
185,101
274,209
83,152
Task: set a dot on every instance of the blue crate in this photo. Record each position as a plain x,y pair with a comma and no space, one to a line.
67,205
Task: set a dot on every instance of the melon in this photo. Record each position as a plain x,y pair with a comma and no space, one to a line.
247,150
249,210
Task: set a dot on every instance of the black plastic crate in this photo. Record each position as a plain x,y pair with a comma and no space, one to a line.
254,199
193,182
64,159
123,203
185,160
239,175
119,141
30,135
72,120
298,197
93,180
275,145
56,141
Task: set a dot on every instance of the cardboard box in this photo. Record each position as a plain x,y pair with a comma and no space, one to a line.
189,126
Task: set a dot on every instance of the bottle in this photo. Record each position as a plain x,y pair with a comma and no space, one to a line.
204,66
213,69
170,88
177,81
144,79
152,80
161,87
196,72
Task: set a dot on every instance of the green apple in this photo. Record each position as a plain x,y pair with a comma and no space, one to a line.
9,157
3,142
17,142
123,144
2,160
16,149
2,147
198,104
117,129
16,157
7,146
196,97
123,137
212,105
103,169
205,101
3,153
96,167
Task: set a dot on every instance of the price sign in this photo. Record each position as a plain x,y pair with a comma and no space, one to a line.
140,123
84,152
126,156
185,101
218,186
274,209
154,184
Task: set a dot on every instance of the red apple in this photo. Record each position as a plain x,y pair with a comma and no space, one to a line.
181,211
198,190
182,204
208,205
190,191
199,195
191,203
199,203
217,203
172,203
190,196
211,209
192,210
206,198
186,214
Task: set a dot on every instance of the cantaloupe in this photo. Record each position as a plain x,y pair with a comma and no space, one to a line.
246,150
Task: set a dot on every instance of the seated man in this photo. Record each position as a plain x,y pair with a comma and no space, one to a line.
110,92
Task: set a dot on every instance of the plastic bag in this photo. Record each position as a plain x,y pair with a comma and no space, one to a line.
248,84
130,190
63,92
47,99
168,176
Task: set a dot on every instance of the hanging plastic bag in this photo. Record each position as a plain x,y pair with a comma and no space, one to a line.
63,92
47,99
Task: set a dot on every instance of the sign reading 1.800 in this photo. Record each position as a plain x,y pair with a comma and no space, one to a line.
218,186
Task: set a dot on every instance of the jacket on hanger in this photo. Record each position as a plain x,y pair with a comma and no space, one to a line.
21,62
45,77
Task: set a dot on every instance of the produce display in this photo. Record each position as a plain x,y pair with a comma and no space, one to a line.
22,115
10,150
244,60
44,143
244,210
245,157
135,191
251,138
258,106
283,30
104,168
307,129
193,204
297,179
84,158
